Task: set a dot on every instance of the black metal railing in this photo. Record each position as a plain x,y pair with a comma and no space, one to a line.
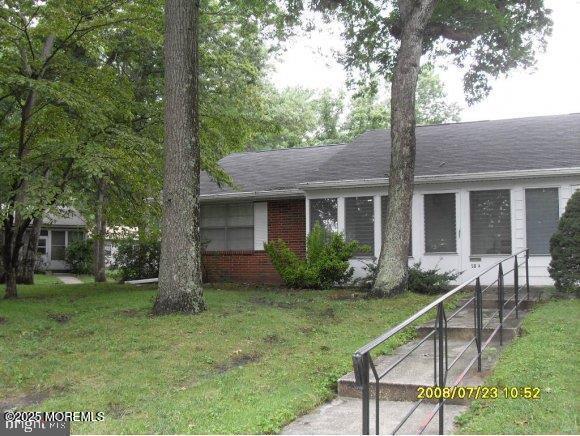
364,365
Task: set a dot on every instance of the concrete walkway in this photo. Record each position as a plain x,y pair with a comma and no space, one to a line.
398,389
68,279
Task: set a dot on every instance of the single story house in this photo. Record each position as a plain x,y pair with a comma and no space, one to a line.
483,190
56,233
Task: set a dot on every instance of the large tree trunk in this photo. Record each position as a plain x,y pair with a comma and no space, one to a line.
393,262
180,287
26,271
100,234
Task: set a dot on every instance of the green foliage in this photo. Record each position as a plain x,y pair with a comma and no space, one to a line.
430,281
253,363
565,248
299,117
79,256
486,38
547,350
326,263
137,259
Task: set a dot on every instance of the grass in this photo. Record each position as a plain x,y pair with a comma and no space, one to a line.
547,357
46,279
253,362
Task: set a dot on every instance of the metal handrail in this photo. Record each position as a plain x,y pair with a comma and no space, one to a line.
364,365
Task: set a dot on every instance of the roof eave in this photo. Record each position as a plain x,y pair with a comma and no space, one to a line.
253,195
443,178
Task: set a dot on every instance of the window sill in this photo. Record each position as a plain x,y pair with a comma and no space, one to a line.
438,253
230,252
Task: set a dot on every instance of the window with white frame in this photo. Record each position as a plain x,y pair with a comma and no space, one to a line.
324,211
227,227
57,244
359,222
490,216
384,211
542,214
440,223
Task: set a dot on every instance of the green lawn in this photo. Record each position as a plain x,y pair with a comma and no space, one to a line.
46,279
546,356
254,361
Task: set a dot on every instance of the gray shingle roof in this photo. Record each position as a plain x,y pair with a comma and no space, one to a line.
459,148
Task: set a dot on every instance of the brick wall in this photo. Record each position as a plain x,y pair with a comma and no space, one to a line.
287,221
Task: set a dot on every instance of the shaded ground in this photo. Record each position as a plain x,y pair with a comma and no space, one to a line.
253,362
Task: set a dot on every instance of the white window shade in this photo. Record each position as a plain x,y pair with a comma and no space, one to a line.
227,227
542,214
490,213
440,223
359,221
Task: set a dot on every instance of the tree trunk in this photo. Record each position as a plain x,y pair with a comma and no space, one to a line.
393,262
180,287
14,229
26,271
100,234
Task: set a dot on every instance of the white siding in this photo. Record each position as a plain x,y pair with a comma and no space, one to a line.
462,261
260,225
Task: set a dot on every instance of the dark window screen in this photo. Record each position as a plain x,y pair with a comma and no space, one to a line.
359,221
440,223
542,213
490,222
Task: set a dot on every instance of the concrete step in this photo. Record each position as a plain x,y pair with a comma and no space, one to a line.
490,300
344,416
402,383
461,327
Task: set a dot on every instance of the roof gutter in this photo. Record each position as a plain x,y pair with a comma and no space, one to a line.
253,195
420,180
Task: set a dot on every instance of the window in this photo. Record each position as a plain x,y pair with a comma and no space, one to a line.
325,212
44,232
490,222
41,247
57,244
227,226
359,222
440,223
384,211
542,213
75,235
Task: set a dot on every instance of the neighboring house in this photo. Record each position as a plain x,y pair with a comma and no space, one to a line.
483,190
57,232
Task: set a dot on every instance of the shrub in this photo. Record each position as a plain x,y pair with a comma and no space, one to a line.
137,259
565,248
431,281
326,263
79,256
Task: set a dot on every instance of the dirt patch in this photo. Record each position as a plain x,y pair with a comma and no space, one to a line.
129,313
237,360
346,294
61,318
3,320
328,313
261,301
306,330
23,401
116,410
273,339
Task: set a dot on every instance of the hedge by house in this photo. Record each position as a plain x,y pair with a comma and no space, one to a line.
565,248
